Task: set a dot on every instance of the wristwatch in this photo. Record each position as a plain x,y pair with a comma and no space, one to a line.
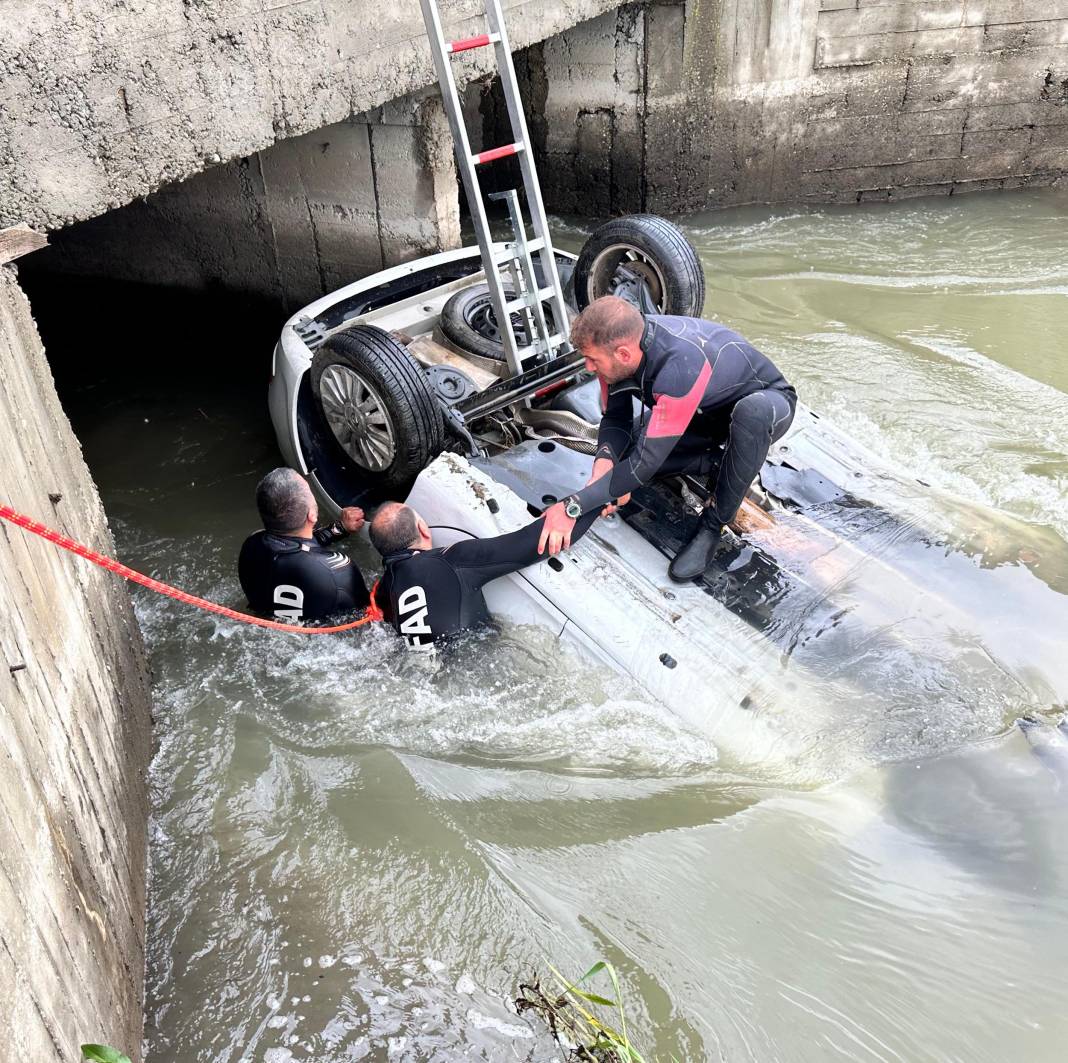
572,507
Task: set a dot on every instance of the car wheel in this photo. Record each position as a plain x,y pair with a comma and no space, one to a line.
469,321
645,260
379,406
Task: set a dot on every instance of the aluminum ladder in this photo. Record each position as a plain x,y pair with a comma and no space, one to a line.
545,340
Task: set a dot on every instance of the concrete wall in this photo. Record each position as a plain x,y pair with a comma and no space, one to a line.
291,222
682,106
74,730
107,100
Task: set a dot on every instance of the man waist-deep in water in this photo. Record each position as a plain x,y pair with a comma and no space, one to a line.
701,387
287,570
429,592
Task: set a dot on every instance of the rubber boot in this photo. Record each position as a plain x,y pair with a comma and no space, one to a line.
692,560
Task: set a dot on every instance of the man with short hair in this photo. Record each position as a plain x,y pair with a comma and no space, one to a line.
701,387
286,569
428,592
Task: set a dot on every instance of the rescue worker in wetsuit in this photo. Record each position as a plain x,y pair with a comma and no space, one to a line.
288,570
428,592
701,387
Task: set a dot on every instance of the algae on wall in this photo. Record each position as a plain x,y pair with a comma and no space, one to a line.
75,737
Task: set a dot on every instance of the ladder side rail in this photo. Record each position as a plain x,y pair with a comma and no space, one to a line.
533,310
517,286
535,204
542,334
462,145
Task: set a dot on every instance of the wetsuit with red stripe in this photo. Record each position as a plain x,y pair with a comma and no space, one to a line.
692,377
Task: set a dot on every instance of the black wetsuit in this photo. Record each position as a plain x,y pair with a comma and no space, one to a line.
295,579
705,386
427,594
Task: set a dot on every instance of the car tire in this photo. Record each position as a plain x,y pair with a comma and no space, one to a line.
468,321
644,259
377,403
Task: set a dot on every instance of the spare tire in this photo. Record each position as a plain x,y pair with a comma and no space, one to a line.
644,259
469,321
376,400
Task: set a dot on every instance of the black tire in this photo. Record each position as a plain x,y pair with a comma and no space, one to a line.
661,271
375,400
468,320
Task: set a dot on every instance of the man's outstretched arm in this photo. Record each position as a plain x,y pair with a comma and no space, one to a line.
481,560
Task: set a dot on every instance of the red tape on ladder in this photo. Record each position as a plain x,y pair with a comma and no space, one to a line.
496,153
7,513
469,42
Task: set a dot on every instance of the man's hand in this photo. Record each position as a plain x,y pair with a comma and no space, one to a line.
613,506
556,530
352,519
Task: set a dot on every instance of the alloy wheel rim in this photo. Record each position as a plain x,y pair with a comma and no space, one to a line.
358,418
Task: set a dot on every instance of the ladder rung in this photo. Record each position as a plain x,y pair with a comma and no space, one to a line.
511,252
525,300
467,43
497,153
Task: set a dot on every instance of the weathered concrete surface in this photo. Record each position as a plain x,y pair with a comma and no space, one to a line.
682,106
74,730
103,101
291,222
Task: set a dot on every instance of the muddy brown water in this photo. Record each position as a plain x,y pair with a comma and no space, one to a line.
356,858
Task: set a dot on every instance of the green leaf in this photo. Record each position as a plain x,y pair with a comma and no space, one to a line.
595,969
103,1054
593,998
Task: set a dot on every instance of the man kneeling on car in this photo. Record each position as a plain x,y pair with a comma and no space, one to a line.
702,387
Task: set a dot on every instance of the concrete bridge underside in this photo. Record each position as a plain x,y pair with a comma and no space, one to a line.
299,145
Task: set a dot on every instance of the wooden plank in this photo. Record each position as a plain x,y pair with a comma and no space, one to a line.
19,240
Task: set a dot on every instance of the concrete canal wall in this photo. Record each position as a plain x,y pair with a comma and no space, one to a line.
708,103
75,736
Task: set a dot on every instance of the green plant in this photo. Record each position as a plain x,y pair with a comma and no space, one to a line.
103,1054
574,1020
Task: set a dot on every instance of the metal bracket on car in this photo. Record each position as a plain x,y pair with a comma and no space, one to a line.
454,421
311,332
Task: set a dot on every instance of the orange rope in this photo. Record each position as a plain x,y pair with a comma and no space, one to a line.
372,613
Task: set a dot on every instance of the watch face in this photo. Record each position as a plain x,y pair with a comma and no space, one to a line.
573,510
